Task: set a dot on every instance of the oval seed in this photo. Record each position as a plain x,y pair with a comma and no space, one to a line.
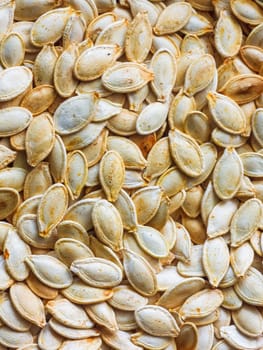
68,250
252,163
199,74
74,113
23,78
156,321
28,231
137,50
241,258
164,67
151,118
139,273
186,153
104,55
12,50
76,173
14,339
49,271
215,259
10,316
71,333
237,339
180,291
40,137
248,320
80,293
9,201
37,180
15,252
249,287
69,314
48,339
64,80
147,201
52,208
229,167
151,241
111,174
127,211
235,123
49,27
11,126
173,18
97,272
104,213
228,35
93,343
39,99
245,221
220,217
202,303
126,77
27,304
128,150
125,298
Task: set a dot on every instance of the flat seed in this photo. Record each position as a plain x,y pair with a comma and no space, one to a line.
151,241
195,79
28,231
139,273
252,163
228,35
12,126
241,258
151,118
15,251
40,289
220,217
238,340
97,272
248,320
245,221
128,150
164,66
9,200
230,163
186,153
93,343
14,339
71,333
75,113
104,213
127,210
188,337
105,56
173,18
80,293
137,51
10,317
27,304
39,99
48,339
215,260
149,341
126,77
40,137
68,250
103,314
217,102
196,307
49,271
250,286
69,314
23,78
37,180
156,321
42,34
111,174
49,214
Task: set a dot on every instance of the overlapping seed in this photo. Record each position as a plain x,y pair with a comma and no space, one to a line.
131,170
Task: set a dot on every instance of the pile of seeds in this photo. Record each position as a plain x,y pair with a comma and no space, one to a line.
131,174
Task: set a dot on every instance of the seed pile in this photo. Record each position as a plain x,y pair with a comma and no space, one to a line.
131,174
